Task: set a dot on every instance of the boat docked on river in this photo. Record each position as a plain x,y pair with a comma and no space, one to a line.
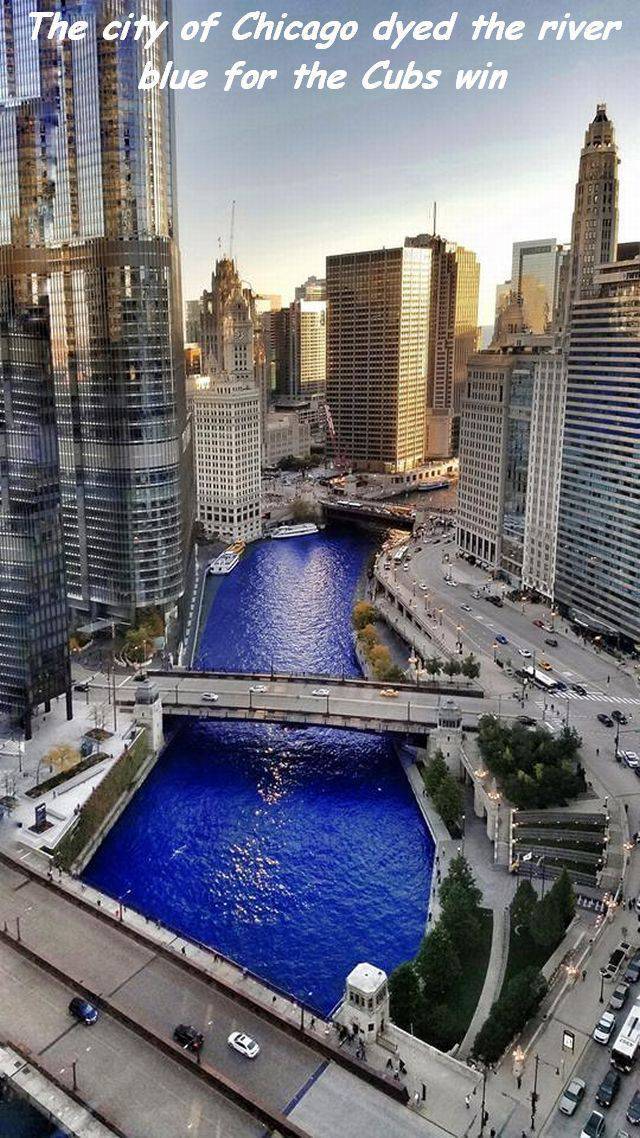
301,529
227,561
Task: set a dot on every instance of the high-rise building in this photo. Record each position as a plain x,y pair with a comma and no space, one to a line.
543,481
92,200
598,553
594,233
377,341
226,417
34,632
314,288
453,338
193,315
308,347
535,276
275,330
228,325
494,455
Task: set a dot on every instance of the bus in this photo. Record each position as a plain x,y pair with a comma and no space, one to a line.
625,1049
399,554
539,678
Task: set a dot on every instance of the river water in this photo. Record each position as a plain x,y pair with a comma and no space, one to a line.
298,852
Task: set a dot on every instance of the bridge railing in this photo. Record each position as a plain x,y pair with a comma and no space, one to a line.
456,687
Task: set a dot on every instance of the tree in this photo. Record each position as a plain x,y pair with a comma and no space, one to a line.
363,613
546,924
433,666
369,635
448,801
62,757
460,874
452,668
434,772
523,906
380,658
437,963
470,667
460,915
404,995
518,1002
564,899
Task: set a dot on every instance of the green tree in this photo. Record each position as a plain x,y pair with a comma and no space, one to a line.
523,906
452,668
546,924
564,898
448,801
437,963
460,915
470,667
459,873
435,771
404,996
433,665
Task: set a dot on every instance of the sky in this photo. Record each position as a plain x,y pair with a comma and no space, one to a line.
321,172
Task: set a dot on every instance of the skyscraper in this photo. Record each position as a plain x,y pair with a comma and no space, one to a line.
377,340
535,276
308,347
34,635
598,555
92,199
543,481
594,232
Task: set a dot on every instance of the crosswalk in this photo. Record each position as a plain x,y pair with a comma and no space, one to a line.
594,696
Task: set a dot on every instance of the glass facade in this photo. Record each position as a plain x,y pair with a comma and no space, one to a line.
598,555
86,166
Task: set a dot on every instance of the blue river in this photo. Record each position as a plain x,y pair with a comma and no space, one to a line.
298,852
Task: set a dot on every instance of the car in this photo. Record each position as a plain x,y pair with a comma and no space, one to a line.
454,584
501,639
525,653
210,697
579,689
551,641
545,665
83,1011
476,595
321,693
631,760
424,587
632,974
258,689
389,693
608,1089
82,686
603,1030
619,996
604,719
633,1109
572,1096
244,1044
619,717
595,1125
188,1037
527,721
538,623
465,608
561,686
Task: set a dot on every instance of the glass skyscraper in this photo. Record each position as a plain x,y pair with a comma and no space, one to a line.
86,169
598,555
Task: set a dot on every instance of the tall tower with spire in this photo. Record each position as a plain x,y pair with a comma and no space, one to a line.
595,216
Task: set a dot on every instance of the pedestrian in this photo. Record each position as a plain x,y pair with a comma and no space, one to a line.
467,1102
519,1081
492,1133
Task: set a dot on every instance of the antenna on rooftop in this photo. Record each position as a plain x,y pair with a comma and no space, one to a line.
435,218
232,228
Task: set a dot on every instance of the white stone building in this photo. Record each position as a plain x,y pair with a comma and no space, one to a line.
286,434
545,465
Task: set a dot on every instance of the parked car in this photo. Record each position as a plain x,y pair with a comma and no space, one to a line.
210,697
572,1096
538,623
258,689
619,717
633,1109
608,1088
595,1125
632,974
631,760
501,639
551,641
389,693
618,997
244,1044
605,720
83,1011
321,693
603,1030
579,689
188,1037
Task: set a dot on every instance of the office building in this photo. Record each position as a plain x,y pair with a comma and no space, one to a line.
193,316
545,464
308,347
92,199
287,434
594,233
228,325
34,630
314,288
377,341
535,278
598,549
226,419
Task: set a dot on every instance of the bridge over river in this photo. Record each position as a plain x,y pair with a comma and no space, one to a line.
319,700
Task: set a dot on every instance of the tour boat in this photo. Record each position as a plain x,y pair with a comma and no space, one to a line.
425,487
224,563
302,529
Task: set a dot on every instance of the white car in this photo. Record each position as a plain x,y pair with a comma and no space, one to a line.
466,608
321,693
210,697
424,587
572,1097
243,1044
258,689
632,759
603,1030
525,653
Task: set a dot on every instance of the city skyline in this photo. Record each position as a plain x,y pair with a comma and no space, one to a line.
511,180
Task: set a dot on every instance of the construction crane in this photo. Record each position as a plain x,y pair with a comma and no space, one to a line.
340,459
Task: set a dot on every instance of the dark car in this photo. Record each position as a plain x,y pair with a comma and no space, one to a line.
579,689
501,638
188,1037
83,1011
551,641
608,1089
633,1109
561,686
632,974
619,717
82,685
605,720
526,721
